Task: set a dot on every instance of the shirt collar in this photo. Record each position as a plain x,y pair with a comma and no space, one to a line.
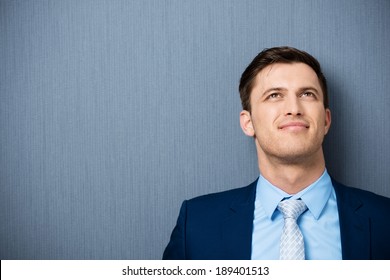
315,195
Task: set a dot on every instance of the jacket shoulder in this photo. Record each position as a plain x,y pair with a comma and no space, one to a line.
356,197
237,195
202,224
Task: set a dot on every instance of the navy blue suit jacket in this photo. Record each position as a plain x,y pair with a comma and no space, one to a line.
219,226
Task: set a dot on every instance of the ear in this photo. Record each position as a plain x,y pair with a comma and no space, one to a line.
328,120
246,123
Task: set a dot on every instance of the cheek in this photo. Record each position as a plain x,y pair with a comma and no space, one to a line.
262,120
269,112
322,123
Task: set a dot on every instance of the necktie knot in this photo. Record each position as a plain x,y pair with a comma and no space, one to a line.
292,208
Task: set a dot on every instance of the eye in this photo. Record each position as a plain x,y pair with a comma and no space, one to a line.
307,94
274,95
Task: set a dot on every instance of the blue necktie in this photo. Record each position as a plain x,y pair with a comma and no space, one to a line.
291,242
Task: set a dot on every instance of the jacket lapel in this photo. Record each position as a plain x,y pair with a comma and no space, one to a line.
354,227
238,226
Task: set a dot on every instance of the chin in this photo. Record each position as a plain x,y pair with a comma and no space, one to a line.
294,155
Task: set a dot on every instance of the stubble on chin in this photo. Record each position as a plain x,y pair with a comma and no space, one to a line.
290,153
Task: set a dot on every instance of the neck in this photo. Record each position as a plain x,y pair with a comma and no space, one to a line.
292,177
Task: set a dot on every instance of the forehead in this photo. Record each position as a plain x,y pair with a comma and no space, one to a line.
287,75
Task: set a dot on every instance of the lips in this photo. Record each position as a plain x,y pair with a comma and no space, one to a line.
294,125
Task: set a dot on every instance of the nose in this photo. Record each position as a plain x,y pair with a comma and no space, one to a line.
293,106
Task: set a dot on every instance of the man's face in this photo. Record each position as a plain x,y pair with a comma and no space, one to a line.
287,117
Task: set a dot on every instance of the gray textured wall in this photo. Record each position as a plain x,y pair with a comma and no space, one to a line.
113,112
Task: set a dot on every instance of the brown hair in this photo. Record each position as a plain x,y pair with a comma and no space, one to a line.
277,55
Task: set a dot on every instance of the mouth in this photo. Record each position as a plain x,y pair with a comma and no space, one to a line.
294,126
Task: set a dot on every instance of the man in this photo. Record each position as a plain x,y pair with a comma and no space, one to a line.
286,111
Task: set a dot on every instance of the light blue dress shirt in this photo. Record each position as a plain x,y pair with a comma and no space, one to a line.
319,224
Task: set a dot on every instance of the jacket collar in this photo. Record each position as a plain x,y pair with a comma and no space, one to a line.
354,226
238,226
